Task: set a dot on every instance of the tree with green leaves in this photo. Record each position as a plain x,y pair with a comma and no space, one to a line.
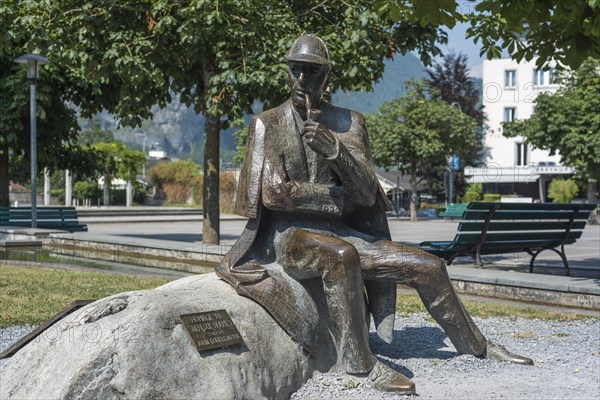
417,132
568,122
222,57
455,86
57,127
115,161
451,78
564,31
95,134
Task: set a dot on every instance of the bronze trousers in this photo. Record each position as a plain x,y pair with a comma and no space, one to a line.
343,261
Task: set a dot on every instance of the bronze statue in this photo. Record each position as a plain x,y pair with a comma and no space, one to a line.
316,210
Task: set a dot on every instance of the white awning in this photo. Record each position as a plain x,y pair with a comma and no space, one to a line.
521,174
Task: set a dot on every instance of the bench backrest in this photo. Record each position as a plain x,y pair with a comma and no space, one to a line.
454,208
47,217
534,223
43,213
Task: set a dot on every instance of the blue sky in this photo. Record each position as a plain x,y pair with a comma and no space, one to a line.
458,42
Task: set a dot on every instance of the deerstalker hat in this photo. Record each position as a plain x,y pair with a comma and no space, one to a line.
309,48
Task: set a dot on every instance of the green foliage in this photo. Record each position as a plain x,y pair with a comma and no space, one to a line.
86,190
473,192
568,121
471,196
95,134
562,190
56,122
456,87
179,180
411,303
117,161
418,131
222,57
491,197
566,31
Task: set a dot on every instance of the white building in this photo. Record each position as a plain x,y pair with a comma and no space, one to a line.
510,89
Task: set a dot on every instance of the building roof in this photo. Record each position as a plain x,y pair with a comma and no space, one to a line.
390,180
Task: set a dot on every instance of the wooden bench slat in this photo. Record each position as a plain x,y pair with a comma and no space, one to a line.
520,226
516,237
454,210
494,228
524,215
530,206
61,218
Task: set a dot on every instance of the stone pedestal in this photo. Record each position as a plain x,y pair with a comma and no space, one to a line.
133,345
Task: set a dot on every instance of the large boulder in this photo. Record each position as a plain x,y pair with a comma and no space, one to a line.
133,345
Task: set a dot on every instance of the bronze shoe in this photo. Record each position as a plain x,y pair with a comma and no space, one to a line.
385,379
500,353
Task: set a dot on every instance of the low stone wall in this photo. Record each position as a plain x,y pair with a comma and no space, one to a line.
193,260
531,295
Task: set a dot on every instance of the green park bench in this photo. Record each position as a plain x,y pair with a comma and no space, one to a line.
454,210
496,228
62,218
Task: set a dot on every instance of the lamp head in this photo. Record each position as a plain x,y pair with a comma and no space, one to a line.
33,62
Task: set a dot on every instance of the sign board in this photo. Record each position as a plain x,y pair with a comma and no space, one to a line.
211,330
455,163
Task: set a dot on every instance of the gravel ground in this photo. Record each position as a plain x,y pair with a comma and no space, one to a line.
566,355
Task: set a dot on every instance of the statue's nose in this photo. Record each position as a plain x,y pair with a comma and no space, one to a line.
302,77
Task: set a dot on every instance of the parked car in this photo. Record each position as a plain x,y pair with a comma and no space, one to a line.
426,213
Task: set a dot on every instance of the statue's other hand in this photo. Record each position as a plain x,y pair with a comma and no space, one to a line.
320,139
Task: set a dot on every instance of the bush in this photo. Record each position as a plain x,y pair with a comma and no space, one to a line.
471,196
58,194
87,190
227,186
118,197
562,191
491,197
180,181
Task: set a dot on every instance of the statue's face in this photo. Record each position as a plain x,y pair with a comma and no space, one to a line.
306,78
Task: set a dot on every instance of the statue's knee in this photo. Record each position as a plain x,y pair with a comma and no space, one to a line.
344,262
348,255
432,269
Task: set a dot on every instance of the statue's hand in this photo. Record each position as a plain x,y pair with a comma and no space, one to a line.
320,139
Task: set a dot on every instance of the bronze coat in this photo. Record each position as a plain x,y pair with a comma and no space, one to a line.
243,268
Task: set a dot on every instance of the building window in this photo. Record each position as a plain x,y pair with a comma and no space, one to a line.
521,153
510,78
509,114
538,77
552,76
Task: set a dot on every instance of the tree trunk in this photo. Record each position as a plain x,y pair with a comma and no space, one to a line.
413,198
592,198
591,194
4,181
106,190
210,191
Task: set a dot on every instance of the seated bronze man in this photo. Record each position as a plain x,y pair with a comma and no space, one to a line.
316,209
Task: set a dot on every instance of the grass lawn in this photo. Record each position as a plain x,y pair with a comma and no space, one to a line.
31,295
409,303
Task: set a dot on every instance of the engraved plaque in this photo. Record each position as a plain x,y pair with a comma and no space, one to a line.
211,330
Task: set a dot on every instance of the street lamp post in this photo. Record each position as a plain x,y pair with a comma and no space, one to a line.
33,62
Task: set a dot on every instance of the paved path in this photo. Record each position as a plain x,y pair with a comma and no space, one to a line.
182,231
